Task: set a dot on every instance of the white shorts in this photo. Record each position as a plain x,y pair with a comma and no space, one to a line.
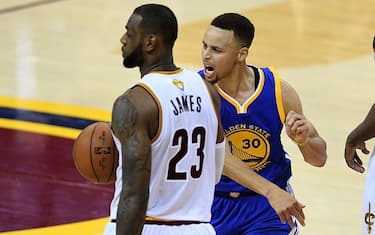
152,229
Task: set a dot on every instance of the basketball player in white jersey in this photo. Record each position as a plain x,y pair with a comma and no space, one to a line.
168,133
356,140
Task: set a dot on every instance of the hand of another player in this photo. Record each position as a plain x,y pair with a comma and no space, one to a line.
351,157
297,127
287,206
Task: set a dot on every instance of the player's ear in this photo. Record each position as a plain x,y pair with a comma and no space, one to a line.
242,54
150,42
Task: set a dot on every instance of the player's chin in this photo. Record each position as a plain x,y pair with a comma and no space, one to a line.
211,78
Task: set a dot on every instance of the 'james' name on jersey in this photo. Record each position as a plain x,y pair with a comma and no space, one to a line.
186,103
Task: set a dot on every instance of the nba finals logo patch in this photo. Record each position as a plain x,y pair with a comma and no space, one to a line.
179,84
250,144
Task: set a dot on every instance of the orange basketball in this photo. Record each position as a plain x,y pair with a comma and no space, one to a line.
95,155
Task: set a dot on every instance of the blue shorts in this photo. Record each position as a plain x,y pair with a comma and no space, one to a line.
246,215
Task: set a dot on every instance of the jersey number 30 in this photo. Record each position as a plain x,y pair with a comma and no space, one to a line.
181,139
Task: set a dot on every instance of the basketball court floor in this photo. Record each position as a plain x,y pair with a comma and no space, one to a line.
61,69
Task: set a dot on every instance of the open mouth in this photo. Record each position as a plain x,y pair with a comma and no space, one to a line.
209,72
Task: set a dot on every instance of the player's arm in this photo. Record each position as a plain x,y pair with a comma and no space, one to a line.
300,129
281,201
132,129
356,140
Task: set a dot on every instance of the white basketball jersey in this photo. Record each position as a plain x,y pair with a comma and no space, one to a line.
183,152
368,207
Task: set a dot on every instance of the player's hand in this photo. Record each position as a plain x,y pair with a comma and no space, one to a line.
298,127
287,206
351,157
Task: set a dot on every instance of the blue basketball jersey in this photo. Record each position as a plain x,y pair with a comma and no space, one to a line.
253,131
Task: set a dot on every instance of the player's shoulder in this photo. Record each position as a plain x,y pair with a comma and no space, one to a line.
133,98
135,105
263,69
123,102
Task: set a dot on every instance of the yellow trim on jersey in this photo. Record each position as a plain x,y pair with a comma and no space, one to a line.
40,128
243,108
228,98
53,108
279,100
148,89
150,218
257,91
90,227
166,72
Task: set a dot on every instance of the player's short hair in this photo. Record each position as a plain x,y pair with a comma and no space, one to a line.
241,26
160,20
373,43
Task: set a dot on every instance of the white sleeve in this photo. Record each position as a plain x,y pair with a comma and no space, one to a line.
219,159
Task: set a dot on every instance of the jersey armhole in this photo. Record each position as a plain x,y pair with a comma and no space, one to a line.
279,100
160,111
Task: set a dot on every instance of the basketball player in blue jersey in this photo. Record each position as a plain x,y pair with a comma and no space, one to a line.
168,132
255,106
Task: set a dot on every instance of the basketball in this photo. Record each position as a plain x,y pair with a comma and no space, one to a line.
95,154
